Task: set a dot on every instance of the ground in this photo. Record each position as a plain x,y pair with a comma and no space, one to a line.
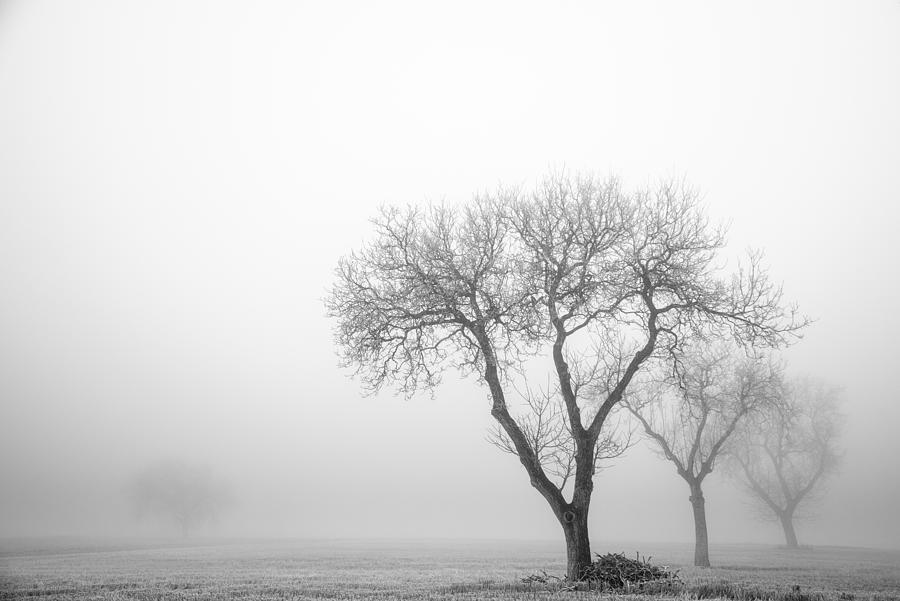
438,570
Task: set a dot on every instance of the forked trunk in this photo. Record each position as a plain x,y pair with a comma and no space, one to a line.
701,538
578,546
787,524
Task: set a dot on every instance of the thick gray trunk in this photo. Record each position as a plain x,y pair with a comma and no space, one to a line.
701,537
787,524
578,545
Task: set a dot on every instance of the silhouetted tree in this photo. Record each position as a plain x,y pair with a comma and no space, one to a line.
484,286
691,412
784,454
186,495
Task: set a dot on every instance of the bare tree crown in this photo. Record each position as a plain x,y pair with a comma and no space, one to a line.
785,453
577,270
691,413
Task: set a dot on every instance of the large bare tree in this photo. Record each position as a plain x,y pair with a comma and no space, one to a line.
784,454
594,280
691,412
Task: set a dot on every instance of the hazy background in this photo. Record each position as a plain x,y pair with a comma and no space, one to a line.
178,180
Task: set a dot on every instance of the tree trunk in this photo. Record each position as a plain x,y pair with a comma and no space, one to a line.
578,545
701,538
787,524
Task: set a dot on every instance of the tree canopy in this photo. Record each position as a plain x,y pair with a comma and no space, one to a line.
784,453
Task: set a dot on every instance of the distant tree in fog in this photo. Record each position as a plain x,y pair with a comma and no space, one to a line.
596,280
784,454
690,412
185,495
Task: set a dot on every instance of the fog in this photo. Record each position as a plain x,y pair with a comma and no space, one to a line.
179,179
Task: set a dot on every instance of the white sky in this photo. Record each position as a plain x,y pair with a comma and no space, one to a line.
178,180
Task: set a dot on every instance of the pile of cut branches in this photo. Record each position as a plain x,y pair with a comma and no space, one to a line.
615,571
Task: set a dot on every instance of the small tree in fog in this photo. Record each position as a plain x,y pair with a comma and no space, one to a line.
690,413
577,272
784,454
185,495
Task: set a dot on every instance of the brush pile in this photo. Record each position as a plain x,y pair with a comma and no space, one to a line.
615,571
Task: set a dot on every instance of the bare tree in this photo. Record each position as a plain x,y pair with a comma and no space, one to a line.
184,494
784,454
691,413
485,286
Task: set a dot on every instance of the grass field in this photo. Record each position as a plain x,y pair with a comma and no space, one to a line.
83,570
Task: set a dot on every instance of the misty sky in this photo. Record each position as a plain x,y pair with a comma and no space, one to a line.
179,179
